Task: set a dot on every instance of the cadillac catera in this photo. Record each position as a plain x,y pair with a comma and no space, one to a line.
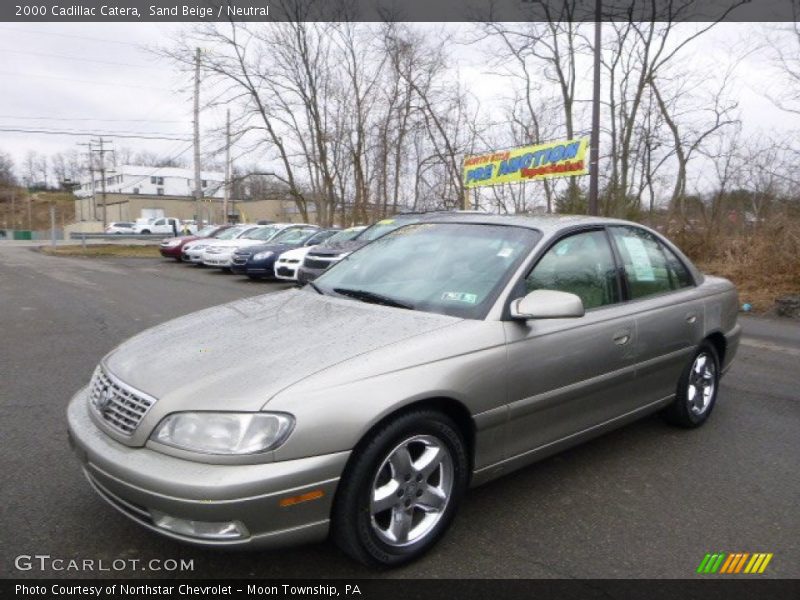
362,406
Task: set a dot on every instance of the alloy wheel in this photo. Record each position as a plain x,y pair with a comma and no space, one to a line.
411,490
702,383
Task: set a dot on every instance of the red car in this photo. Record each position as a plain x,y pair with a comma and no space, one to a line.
173,247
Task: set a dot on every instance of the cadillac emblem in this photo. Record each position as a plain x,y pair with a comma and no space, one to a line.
104,399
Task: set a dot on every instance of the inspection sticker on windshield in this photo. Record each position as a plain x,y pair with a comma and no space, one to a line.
505,252
460,297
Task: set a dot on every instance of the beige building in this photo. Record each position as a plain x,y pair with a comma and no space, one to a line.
129,207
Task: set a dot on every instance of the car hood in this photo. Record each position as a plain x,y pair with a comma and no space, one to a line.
338,248
233,244
239,355
297,253
276,248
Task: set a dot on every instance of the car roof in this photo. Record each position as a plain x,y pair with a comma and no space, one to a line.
544,223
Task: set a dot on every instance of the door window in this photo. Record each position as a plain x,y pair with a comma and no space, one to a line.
650,267
581,264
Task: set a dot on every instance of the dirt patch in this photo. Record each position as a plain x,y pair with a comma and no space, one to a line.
103,250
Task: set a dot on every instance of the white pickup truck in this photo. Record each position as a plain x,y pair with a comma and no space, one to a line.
164,226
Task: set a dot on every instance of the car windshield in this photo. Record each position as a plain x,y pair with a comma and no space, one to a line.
294,236
231,233
262,233
448,268
344,235
206,231
383,227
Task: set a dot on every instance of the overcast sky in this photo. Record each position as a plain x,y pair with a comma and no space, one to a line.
99,77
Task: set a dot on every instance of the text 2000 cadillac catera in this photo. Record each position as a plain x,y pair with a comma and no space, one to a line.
442,355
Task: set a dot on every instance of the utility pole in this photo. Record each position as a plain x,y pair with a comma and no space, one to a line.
594,175
102,150
227,196
92,201
52,224
198,188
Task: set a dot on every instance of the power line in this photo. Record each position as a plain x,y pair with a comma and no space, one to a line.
95,133
77,58
86,81
87,119
104,132
67,35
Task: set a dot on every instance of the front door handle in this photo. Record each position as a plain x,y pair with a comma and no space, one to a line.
622,337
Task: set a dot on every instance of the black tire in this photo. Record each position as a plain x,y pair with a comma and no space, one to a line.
356,531
145,232
685,410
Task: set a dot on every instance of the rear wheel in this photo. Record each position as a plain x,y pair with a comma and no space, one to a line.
401,491
697,389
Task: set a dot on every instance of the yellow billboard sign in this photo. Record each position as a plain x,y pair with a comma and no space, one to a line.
528,163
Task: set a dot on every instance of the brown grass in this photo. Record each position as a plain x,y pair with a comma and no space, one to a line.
103,250
763,262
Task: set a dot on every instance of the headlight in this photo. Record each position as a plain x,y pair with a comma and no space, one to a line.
263,255
224,433
173,243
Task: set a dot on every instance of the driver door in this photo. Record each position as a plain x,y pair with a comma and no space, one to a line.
569,375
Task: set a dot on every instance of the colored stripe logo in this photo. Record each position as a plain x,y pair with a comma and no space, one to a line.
735,562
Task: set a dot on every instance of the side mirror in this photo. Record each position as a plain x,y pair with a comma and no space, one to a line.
547,304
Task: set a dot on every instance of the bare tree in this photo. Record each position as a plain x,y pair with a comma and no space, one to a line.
7,177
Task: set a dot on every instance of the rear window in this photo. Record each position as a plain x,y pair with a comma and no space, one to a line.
650,267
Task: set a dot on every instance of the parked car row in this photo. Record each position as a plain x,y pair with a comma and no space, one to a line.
284,251
280,251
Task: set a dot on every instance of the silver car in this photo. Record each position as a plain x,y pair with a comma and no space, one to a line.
443,355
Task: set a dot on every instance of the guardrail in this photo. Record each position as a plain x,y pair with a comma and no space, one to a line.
117,236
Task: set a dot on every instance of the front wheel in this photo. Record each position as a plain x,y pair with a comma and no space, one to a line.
400,493
697,389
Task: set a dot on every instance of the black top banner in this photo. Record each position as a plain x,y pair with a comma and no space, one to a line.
396,10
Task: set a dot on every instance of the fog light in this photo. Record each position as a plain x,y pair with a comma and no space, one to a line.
224,530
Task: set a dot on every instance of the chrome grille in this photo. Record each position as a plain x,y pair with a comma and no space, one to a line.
118,405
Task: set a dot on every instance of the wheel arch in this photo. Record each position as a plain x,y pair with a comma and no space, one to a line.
448,406
717,340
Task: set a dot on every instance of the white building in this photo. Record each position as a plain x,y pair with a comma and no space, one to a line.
155,181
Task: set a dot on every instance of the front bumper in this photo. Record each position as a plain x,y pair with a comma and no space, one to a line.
218,260
171,252
287,271
261,268
195,257
139,481
238,266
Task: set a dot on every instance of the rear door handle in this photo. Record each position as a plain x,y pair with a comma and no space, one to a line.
691,317
622,337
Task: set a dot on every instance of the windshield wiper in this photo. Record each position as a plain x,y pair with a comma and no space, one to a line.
372,297
316,288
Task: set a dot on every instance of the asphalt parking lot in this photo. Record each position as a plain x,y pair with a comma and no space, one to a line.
646,501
